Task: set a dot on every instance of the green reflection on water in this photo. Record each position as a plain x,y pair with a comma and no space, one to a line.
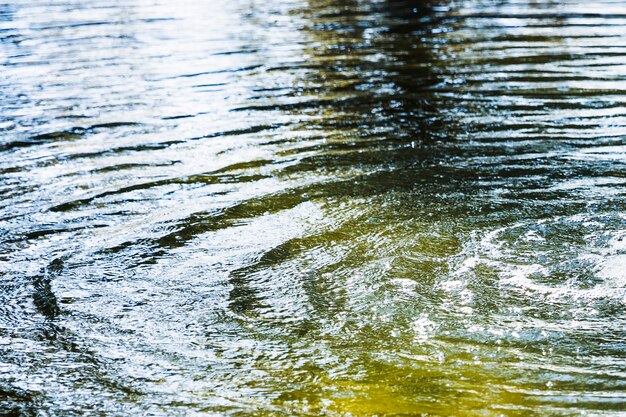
350,208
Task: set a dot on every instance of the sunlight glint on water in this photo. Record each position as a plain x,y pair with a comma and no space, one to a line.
315,207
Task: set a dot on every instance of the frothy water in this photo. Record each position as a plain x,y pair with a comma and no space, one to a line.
347,208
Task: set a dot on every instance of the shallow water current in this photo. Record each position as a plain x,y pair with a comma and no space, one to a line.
312,207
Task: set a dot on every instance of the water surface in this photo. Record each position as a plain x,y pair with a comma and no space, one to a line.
312,207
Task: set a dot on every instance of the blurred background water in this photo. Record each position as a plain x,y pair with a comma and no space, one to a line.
312,207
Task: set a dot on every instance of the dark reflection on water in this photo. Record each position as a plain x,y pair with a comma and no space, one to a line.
312,208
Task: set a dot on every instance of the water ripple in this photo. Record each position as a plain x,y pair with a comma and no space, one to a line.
312,207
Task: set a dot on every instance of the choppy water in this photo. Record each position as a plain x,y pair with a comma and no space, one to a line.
312,207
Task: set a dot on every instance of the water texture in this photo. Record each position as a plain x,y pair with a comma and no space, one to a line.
312,207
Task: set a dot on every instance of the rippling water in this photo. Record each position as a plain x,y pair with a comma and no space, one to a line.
312,207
